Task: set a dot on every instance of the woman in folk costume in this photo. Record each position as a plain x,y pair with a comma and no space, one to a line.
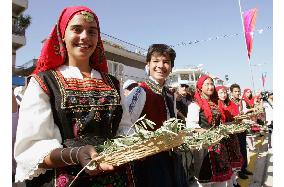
211,165
153,98
70,104
232,143
248,101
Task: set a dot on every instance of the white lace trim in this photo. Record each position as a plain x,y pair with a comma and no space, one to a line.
35,171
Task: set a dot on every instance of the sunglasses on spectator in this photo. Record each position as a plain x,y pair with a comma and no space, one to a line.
184,85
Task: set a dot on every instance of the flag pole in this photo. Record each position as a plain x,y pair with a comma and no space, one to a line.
242,19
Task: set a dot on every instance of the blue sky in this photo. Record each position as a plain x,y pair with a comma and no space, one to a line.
165,21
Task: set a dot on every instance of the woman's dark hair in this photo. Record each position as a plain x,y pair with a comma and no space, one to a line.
227,100
161,49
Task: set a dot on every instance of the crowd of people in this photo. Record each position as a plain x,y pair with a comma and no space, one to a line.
72,104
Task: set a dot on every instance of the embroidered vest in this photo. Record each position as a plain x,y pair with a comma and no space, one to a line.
86,111
157,99
216,117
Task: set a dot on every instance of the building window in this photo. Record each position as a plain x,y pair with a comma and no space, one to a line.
191,77
173,78
184,76
115,68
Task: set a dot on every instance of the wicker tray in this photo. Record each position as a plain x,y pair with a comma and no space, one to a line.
205,145
236,131
138,151
249,115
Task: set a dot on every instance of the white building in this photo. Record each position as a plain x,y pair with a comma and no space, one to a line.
189,76
123,63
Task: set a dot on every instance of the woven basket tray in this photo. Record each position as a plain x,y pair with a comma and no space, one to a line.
138,151
204,146
248,116
234,131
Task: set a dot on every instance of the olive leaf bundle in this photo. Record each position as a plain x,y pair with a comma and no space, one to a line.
258,112
173,133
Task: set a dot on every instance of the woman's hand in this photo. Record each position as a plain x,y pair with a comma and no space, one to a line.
86,154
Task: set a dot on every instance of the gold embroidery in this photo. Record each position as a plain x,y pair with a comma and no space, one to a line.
97,116
156,88
89,17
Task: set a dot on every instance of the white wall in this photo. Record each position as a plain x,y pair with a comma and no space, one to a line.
133,73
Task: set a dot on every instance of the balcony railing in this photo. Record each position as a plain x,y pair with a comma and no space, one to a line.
17,30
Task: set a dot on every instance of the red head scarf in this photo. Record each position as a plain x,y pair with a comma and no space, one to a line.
54,53
227,107
250,102
219,88
203,103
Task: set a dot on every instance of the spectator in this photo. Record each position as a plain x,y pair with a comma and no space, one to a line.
268,106
128,86
182,102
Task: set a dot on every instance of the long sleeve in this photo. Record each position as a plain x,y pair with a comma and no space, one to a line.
37,134
125,125
175,105
135,102
192,119
245,110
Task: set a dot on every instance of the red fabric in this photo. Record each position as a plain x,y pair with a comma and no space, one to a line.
249,102
203,103
229,108
220,87
235,108
218,158
155,104
54,53
225,110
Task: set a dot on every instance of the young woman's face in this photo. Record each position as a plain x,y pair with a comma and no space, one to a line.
222,94
81,38
160,67
248,94
208,87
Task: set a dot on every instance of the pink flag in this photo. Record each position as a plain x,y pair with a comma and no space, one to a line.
249,24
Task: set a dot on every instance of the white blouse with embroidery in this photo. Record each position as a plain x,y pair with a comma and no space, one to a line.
37,134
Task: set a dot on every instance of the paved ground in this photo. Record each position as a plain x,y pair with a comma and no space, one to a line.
261,164
268,177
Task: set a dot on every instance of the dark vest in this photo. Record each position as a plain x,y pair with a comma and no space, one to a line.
216,118
157,99
83,108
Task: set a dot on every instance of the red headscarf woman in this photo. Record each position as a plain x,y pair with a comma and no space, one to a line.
248,99
204,98
225,104
231,143
70,106
211,166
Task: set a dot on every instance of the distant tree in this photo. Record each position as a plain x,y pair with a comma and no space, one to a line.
24,21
